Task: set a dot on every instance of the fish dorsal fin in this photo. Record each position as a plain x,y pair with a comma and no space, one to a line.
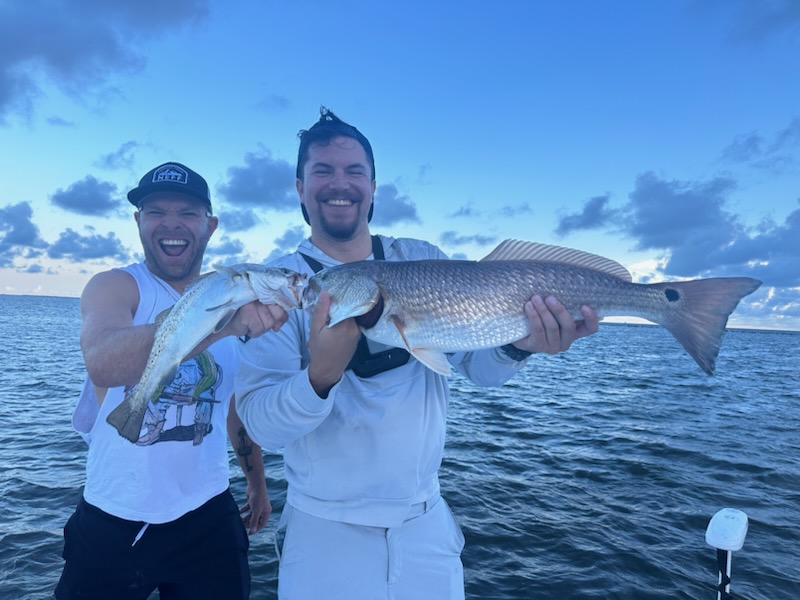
519,250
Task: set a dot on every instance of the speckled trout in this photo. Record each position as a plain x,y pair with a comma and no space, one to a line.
430,307
206,306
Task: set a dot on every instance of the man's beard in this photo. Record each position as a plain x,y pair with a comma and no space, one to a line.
341,231
169,272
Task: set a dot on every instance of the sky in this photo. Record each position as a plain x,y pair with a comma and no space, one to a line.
662,134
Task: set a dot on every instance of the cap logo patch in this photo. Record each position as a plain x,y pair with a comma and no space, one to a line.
171,173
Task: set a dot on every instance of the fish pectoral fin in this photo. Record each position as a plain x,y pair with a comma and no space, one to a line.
340,312
435,360
225,318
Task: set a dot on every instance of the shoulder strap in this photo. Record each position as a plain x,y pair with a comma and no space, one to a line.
377,253
364,363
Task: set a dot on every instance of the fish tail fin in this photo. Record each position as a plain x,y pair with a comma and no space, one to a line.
127,418
705,305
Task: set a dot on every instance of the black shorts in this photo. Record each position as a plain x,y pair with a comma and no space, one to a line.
202,555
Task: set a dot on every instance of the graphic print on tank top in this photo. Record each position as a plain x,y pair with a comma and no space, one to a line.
183,409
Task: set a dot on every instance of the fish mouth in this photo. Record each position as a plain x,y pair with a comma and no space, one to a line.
173,246
296,289
310,295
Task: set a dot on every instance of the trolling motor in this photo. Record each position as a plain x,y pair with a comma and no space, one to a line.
726,532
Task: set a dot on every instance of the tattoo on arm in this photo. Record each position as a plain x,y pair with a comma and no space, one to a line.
244,449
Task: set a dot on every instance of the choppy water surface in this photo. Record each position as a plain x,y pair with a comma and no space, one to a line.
592,474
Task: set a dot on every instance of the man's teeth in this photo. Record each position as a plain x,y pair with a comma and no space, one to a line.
337,202
174,242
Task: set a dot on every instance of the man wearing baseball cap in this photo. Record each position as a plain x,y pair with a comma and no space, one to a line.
174,178
157,513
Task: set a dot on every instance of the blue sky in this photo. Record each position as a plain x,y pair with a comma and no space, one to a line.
663,134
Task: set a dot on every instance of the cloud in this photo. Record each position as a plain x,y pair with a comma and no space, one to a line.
514,211
666,214
774,155
59,122
238,220
466,210
263,182
595,215
392,208
122,158
19,236
287,242
76,45
227,247
423,173
688,224
758,20
274,103
290,238
453,238
88,197
77,248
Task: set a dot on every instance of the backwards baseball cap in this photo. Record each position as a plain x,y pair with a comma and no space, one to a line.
171,177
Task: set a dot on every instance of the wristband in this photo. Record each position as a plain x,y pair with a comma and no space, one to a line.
514,353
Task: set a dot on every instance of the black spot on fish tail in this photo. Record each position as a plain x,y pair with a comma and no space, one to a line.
698,321
371,317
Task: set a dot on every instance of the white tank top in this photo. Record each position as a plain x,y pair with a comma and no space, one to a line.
181,458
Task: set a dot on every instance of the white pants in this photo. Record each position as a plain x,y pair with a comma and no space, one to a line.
327,559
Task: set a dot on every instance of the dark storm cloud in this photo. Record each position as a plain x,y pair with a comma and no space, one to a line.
76,247
595,215
78,44
262,182
19,236
88,197
392,208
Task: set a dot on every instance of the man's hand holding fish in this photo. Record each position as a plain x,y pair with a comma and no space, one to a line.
552,327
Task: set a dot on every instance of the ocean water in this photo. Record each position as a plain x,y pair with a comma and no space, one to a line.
592,474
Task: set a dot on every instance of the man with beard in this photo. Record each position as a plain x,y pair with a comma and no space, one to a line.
158,513
362,427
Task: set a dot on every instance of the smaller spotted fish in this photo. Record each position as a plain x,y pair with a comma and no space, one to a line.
205,307
431,307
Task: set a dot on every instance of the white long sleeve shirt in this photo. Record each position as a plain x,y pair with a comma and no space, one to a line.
373,447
